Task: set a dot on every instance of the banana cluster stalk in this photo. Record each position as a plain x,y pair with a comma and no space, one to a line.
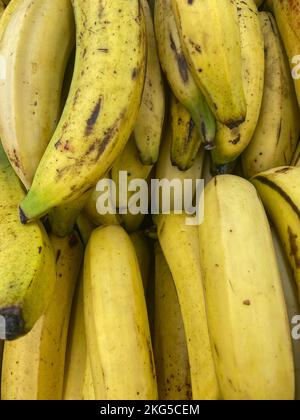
101,108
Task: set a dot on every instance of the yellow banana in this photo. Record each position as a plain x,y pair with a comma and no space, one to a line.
246,310
88,390
231,143
279,191
33,366
150,120
36,39
287,14
178,74
27,264
276,135
118,335
102,105
180,246
144,255
170,347
210,36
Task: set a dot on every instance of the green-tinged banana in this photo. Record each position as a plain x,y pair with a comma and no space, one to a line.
33,366
85,227
150,120
144,253
210,36
276,135
118,336
36,39
287,14
185,137
246,310
77,361
170,347
280,192
291,298
102,106
178,74
180,246
231,143
27,263
63,219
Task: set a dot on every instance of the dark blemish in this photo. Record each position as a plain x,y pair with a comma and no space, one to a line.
190,132
182,64
217,351
215,181
294,247
58,254
104,50
73,241
57,144
40,249
23,218
135,73
247,303
236,140
283,170
279,132
234,124
93,118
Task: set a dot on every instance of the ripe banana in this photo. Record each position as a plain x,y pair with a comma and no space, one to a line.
36,39
150,120
246,311
276,135
287,14
184,265
33,366
102,106
27,264
170,347
88,390
118,336
77,361
178,74
144,255
231,143
279,191
210,36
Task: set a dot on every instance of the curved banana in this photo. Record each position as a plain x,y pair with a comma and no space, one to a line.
276,135
231,143
170,347
33,366
280,193
118,336
102,106
180,246
149,124
246,310
210,36
36,39
27,264
178,74
144,255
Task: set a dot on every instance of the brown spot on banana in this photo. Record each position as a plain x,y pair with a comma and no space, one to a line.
94,117
294,250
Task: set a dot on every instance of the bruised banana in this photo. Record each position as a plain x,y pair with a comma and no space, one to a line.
287,14
36,39
118,336
33,366
231,143
276,135
170,347
210,36
183,261
246,310
149,124
101,108
178,74
280,193
27,263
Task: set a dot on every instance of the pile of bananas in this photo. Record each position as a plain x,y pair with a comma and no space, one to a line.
124,306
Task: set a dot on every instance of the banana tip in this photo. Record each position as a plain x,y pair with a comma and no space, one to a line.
23,218
11,323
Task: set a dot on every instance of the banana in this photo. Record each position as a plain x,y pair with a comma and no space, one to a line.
210,36
231,143
118,336
183,261
276,135
2,8
33,366
170,347
287,14
246,311
178,74
296,158
102,105
144,255
185,136
85,227
27,264
150,120
77,361
88,390
279,191
36,39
